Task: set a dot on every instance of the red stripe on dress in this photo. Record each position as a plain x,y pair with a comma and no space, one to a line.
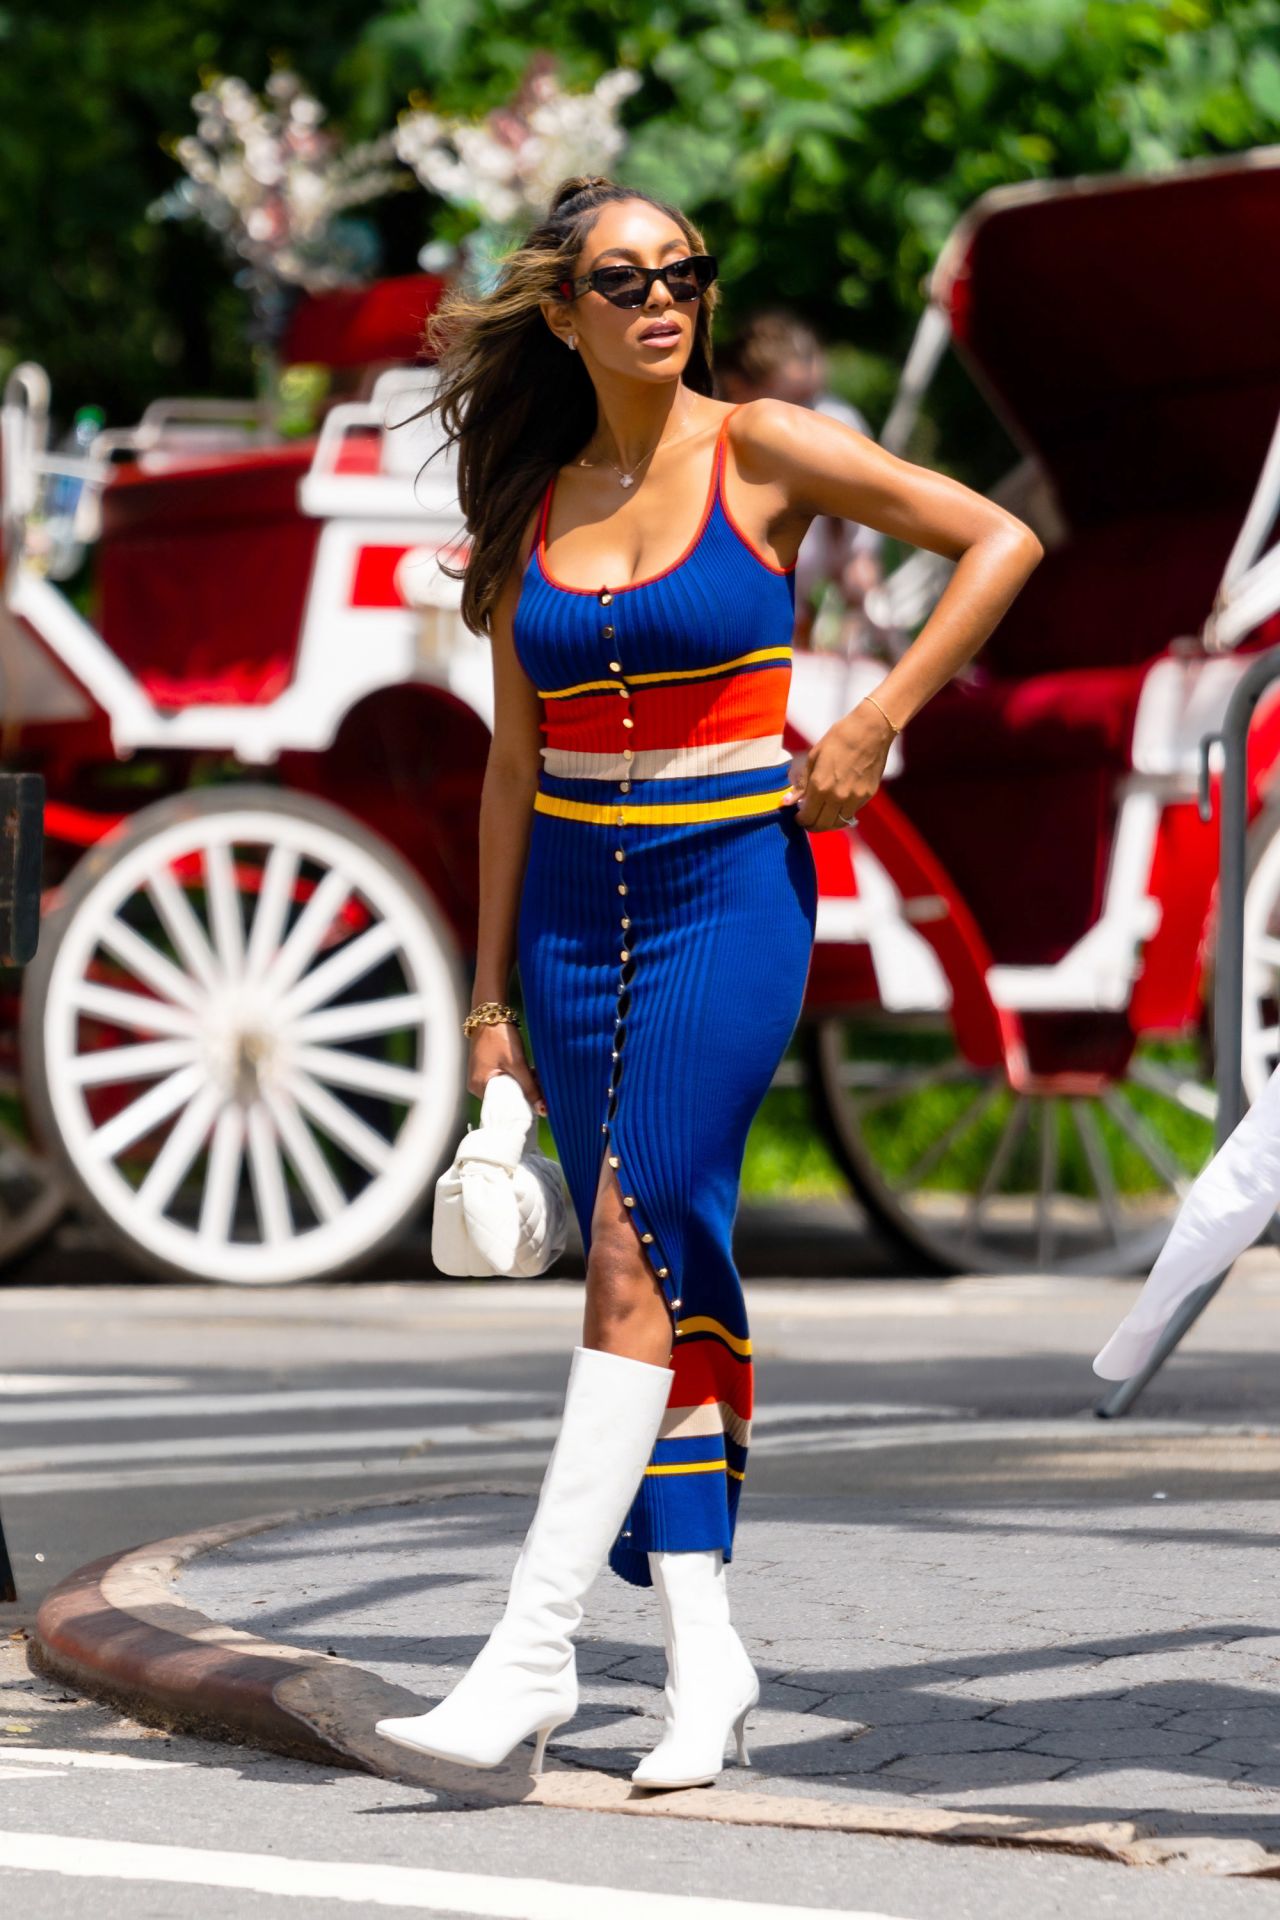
696,714
705,1371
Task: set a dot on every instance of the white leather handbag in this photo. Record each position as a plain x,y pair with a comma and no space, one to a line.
503,1206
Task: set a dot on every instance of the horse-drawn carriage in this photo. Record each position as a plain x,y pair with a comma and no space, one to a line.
239,1042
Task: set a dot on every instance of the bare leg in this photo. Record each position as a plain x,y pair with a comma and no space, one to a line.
626,1312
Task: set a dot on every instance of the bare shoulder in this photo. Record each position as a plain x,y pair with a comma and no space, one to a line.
783,441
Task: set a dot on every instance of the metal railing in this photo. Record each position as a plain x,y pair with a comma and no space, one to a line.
1228,1003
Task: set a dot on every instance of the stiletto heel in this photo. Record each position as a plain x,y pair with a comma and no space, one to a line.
540,1745
740,1734
711,1684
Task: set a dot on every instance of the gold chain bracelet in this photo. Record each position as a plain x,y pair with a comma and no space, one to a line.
895,731
489,1013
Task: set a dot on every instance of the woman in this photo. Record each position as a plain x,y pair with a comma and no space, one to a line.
644,856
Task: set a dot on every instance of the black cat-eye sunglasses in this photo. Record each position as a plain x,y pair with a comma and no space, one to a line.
628,286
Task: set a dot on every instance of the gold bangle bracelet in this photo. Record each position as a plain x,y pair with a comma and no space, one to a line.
895,731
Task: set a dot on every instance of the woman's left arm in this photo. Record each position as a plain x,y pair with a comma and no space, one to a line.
813,464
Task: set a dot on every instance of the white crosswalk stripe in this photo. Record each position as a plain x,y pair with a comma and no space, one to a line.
369,1884
34,1760
303,1434
163,1406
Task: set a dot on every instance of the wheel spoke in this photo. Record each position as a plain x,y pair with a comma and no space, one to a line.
1265,950
132,1010
360,1019
279,879
130,1063
1047,1186
266,1173
222,1179
223,892
1096,1154
149,964
323,1191
146,1112
1152,1149
185,1140
338,1121
1191,1095
308,931
933,1155
338,1069
998,1165
180,922
904,1085
350,962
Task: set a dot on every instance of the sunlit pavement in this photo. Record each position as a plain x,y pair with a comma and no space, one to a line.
960,1588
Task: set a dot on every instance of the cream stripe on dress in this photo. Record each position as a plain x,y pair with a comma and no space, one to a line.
668,763
713,1416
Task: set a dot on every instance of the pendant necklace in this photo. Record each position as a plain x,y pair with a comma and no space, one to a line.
627,475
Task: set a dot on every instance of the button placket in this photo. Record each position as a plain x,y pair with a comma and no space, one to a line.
627,959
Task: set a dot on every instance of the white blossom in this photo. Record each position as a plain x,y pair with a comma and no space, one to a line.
267,177
505,166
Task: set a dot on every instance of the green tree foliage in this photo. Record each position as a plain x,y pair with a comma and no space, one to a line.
826,147
118,307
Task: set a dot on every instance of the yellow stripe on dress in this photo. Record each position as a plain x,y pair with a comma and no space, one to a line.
703,1323
669,673
691,1466
604,813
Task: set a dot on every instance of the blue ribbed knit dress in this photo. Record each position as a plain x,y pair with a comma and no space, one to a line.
665,932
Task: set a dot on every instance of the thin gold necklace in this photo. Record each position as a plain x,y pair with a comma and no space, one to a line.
627,476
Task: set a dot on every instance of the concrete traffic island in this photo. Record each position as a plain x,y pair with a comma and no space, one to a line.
947,1667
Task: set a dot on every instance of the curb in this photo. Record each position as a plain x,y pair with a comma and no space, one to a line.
117,1631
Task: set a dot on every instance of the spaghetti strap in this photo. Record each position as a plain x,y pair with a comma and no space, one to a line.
722,434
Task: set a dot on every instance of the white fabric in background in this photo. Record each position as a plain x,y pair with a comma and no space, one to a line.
1225,1211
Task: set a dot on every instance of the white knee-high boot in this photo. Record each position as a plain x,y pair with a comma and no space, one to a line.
711,1683
524,1679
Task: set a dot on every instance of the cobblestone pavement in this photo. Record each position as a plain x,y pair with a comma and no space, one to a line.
1060,1619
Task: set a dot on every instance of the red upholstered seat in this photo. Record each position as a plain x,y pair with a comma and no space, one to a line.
1083,717
1012,783
1012,777
202,573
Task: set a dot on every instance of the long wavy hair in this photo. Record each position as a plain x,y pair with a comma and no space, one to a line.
515,403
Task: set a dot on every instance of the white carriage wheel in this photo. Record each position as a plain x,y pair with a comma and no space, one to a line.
1260,1025
979,1177
284,1072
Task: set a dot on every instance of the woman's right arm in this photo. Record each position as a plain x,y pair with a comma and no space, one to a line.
506,819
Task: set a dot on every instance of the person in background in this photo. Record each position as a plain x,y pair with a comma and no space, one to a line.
778,354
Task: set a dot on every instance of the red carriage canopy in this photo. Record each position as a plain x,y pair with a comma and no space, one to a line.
1127,330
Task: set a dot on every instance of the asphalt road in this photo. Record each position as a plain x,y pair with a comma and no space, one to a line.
130,1412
